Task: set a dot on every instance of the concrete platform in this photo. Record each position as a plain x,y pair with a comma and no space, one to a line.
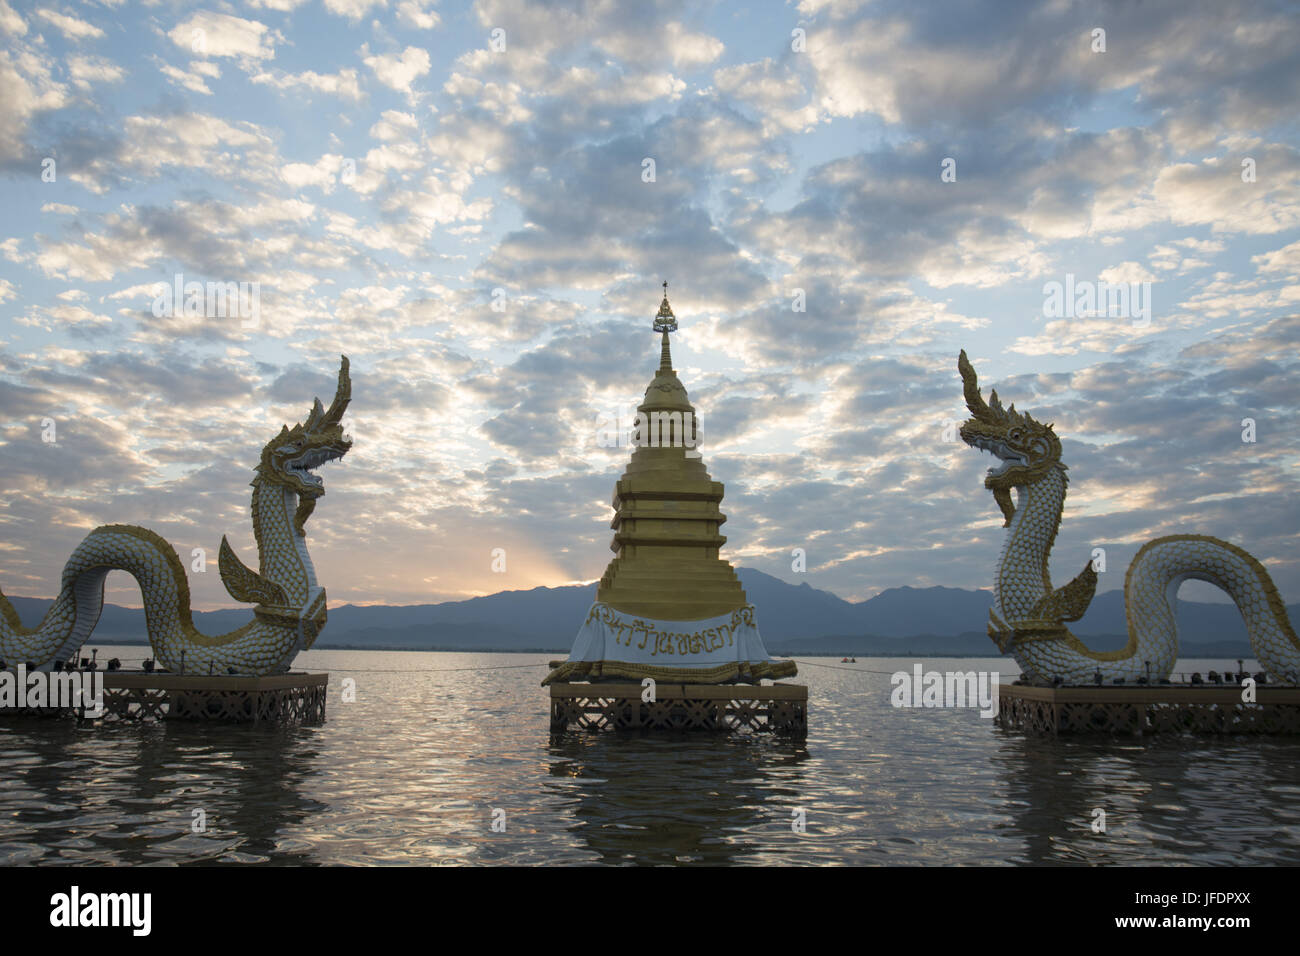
136,695
772,708
1142,709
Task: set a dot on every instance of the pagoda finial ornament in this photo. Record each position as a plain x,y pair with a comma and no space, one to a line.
669,607
665,322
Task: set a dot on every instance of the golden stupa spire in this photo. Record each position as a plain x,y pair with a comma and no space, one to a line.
666,511
668,606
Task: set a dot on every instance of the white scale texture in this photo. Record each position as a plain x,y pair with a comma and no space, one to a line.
263,648
1150,594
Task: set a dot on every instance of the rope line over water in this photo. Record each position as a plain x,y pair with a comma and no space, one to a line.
837,667
435,670
1179,675
364,670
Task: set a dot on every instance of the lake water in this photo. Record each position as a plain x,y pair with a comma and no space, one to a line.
413,770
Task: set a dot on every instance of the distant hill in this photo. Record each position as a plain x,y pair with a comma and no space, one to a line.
794,619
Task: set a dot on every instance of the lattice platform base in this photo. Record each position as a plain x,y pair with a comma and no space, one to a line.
1161,709
775,708
282,698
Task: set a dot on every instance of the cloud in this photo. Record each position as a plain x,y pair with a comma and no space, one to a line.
193,82
1284,260
684,48
418,14
70,26
27,89
1126,272
10,22
1227,67
353,9
775,91
394,125
343,84
1212,193
398,71
323,174
219,34
473,228
87,71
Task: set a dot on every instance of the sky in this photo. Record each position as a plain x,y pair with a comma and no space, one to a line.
459,197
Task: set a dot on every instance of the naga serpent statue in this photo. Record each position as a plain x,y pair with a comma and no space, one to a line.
1028,616
289,605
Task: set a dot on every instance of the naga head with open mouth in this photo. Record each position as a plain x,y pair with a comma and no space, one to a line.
290,459
1028,449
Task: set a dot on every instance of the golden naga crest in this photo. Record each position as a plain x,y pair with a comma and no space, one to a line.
1027,448
288,460
290,457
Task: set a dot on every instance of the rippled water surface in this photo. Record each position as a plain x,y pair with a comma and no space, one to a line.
412,771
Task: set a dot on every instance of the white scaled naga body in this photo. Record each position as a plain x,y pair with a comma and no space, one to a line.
1028,615
290,606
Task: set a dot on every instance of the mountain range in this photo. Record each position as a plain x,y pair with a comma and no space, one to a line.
794,620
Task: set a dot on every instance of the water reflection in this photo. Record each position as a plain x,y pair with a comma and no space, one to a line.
686,798
413,771
1208,800
128,794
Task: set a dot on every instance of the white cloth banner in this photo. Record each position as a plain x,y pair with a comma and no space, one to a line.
609,635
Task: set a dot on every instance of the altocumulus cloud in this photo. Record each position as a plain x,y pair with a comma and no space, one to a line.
458,198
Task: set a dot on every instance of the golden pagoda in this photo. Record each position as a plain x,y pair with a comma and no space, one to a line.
669,606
